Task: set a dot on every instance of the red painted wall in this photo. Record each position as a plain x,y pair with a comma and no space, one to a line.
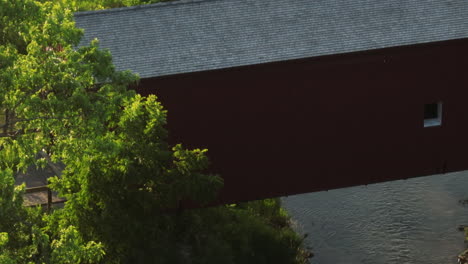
322,123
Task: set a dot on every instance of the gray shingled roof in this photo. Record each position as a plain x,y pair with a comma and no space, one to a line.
196,35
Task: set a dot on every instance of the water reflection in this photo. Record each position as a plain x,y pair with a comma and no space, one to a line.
408,221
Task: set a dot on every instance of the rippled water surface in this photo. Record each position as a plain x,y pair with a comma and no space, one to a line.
408,221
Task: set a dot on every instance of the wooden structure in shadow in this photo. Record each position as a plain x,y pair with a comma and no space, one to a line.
49,198
301,96
323,123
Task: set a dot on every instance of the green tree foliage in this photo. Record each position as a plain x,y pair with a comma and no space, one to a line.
252,232
5,257
122,181
85,5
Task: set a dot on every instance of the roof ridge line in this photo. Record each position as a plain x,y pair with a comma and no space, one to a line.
138,7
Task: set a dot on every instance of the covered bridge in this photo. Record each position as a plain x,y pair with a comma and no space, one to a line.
302,95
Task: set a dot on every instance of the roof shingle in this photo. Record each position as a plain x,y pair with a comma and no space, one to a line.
196,35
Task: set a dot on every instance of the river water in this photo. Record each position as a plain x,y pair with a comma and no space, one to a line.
407,221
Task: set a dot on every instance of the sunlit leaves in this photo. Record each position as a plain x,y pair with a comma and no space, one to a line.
4,256
71,103
70,248
84,5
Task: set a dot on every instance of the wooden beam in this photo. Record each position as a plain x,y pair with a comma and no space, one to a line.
49,202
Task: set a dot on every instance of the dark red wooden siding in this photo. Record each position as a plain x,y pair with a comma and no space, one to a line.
322,123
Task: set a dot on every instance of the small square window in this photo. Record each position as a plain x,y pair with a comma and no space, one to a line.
433,114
